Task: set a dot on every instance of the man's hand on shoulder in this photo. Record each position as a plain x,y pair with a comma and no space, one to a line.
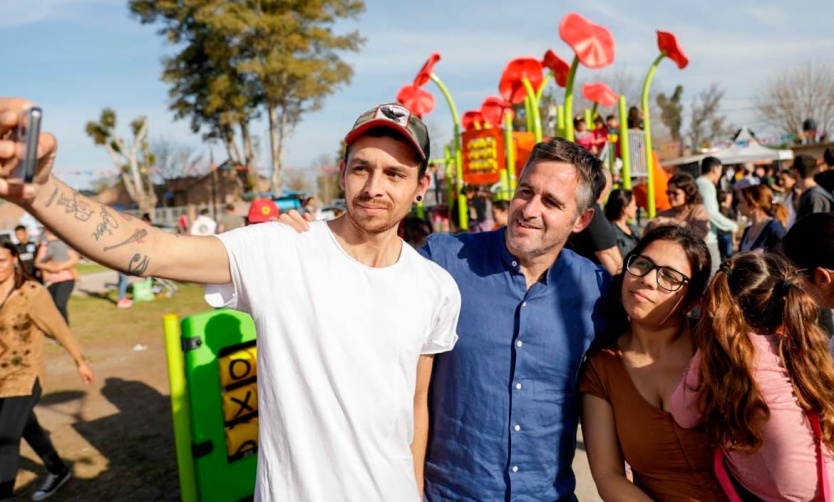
301,223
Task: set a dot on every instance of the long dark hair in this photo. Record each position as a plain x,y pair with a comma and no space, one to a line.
618,199
762,294
20,275
686,182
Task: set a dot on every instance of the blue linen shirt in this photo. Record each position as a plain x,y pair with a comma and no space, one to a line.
504,402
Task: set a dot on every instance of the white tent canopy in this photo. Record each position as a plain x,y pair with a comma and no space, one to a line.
745,148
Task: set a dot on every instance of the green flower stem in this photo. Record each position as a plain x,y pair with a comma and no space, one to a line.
647,129
623,140
534,108
463,211
509,154
569,99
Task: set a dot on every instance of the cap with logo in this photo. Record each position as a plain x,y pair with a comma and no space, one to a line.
262,210
399,118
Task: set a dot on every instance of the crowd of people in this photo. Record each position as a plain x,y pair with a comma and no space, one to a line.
461,370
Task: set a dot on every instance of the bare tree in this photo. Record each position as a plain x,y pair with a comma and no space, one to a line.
671,112
132,159
298,180
707,123
175,159
792,97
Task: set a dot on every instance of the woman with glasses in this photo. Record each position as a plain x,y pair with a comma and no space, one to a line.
809,244
626,385
760,383
687,208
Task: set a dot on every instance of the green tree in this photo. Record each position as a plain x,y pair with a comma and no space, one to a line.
132,159
671,112
241,57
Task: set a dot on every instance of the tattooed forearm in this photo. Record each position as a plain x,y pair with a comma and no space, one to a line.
137,236
72,205
52,197
108,224
138,264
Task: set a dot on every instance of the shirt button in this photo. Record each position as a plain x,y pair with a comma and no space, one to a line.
515,263
515,468
518,386
519,343
524,304
517,428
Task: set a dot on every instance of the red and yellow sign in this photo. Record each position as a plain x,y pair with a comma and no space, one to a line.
483,156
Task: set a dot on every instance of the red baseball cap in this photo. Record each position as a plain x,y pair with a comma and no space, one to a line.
399,118
262,210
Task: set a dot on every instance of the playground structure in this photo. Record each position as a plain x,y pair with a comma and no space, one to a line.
487,151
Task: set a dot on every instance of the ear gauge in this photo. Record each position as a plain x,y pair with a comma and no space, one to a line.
419,198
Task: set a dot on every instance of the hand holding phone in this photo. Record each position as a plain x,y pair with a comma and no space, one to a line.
28,131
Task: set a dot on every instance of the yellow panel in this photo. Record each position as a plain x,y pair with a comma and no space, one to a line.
238,366
240,402
242,438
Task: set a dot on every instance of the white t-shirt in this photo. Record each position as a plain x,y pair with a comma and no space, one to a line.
204,225
338,346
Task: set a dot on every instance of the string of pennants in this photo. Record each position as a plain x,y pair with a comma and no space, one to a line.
109,173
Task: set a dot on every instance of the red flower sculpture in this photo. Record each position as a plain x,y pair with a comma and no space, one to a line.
510,87
470,118
424,75
592,43
493,109
558,66
600,93
416,99
668,42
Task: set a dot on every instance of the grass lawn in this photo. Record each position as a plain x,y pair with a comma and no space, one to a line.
91,268
96,318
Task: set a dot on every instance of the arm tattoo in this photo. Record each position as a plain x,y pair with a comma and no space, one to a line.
138,264
52,197
137,236
72,205
107,224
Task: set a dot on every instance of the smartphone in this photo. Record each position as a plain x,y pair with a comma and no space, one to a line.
28,131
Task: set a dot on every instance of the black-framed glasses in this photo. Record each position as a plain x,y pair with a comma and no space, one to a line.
668,278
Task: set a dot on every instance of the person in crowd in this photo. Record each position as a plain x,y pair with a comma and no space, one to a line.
600,133
262,211
122,301
183,224
621,210
613,124
761,381
746,177
598,241
809,244
470,193
26,315
57,262
768,219
814,198
583,136
27,251
790,194
687,208
355,396
415,231
229,220
828,159
204,224
634,119
711,171
500,213
310,207
726,238
483,203
626,384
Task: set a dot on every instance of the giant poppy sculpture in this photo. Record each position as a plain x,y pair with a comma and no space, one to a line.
425,74
593,46
494,110
599,94
416,99
669,47
472,120
559,71
518,84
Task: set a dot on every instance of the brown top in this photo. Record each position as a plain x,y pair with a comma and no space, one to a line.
25,317
669,463
694,217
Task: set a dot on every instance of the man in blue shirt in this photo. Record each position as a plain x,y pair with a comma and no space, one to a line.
504,402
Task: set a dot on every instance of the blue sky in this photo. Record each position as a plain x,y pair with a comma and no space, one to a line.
75,57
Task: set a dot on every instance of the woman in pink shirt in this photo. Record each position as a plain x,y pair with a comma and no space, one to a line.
762,370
